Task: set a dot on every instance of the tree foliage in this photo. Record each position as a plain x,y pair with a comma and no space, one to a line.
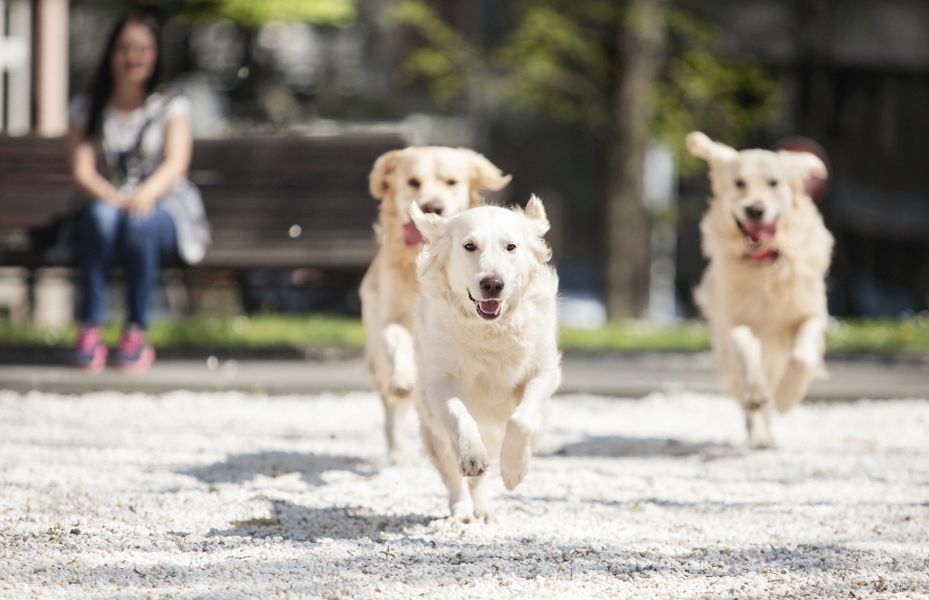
446,59
251,13
560,60
701,90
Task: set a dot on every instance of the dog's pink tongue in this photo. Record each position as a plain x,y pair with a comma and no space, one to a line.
489,307
761,233
411,235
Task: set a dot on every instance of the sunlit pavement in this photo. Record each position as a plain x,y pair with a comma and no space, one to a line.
235,495
630,375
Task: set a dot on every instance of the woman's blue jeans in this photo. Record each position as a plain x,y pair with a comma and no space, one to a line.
139,244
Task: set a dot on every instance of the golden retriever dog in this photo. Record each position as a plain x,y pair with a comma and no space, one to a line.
487,348
764,290
438,180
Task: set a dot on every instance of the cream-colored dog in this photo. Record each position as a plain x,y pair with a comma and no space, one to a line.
439,180
764,291
487,349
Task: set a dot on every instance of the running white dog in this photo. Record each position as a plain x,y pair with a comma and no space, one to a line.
764,291
486,345
436,179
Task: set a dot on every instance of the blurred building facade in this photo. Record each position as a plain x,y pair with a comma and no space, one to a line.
33,66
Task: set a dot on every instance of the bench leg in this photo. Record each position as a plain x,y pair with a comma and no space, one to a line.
31,278
191,299
177,292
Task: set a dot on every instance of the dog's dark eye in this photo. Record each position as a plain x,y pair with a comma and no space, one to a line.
740,183
452,182
772,182
470,247
413,182
510,247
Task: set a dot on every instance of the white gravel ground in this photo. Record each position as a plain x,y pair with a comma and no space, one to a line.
231,495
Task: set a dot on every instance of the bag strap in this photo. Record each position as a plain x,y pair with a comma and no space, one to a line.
121,166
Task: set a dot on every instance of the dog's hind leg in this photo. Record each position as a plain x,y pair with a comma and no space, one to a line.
399,378
401,360
481,499
443,457
751,385
396,411
805,363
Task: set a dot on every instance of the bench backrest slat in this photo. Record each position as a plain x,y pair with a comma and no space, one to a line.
255,190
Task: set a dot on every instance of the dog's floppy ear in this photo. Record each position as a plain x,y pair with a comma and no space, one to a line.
701,146
804,164
484,174
536,213
383,167
430,225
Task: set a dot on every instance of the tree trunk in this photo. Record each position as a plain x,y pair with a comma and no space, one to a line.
641,37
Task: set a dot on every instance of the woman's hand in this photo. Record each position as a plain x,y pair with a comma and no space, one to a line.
177,151
141,202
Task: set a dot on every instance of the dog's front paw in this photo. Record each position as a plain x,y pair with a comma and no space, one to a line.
462,511
515,454
472,457
762,444
755,399
760,438
402,382
514,473
401,457
808,356
485,514
473,464
758,428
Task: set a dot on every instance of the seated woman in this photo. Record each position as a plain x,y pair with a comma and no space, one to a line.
131,150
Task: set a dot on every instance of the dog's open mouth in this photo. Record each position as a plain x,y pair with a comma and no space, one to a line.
487,309
757,235
759,240
411,235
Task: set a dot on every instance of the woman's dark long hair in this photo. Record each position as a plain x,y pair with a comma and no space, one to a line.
102,86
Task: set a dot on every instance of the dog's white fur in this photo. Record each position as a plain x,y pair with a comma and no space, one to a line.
485,384
449,179
768,315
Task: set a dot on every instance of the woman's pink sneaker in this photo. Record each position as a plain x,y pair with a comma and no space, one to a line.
90,352
133,355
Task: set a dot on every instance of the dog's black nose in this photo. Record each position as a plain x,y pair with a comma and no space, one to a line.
754,212
491,286
432,207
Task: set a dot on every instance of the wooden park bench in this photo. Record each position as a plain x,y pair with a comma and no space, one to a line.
274,202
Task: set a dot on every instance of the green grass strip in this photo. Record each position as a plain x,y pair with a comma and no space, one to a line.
302,331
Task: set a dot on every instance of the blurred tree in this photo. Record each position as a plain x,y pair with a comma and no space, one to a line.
257,86
626,71
641,37
250,13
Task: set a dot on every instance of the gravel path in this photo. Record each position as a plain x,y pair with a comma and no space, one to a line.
232,495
